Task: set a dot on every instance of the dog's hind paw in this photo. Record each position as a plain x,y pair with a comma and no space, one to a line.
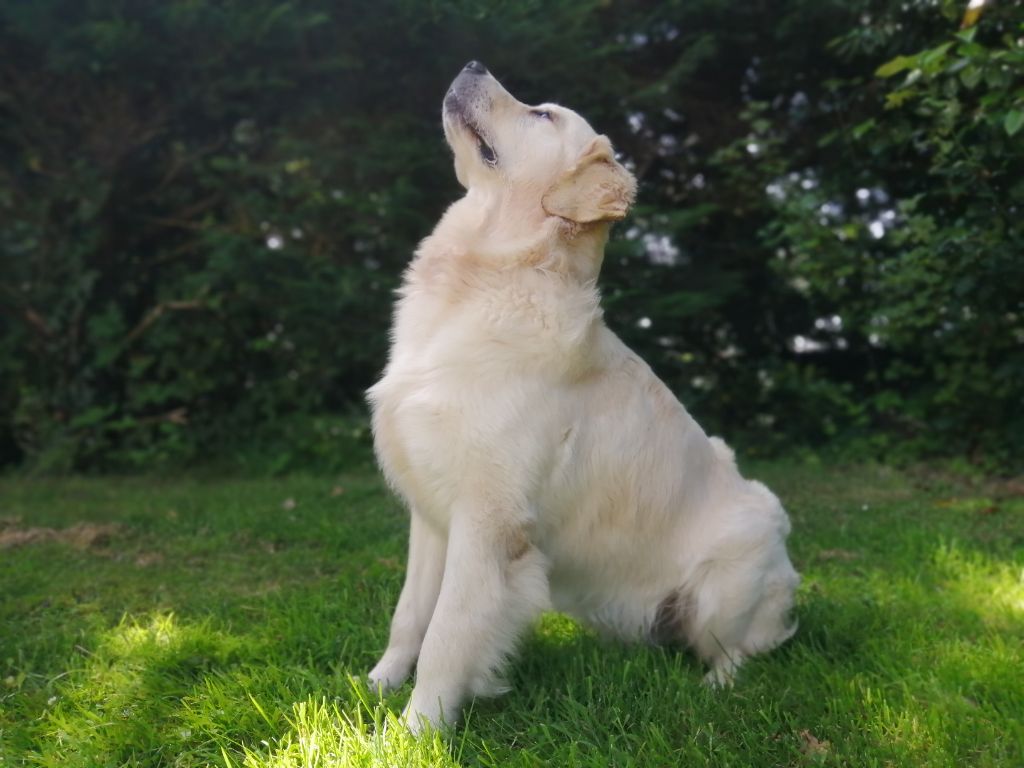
723,672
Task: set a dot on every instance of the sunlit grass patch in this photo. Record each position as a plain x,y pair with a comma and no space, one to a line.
993,588
125,696
356,732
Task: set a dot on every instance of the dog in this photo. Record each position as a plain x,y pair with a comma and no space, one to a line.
543,462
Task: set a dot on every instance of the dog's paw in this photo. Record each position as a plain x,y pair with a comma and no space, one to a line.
719,678
418,721
723,672
391,671
431,709
415,721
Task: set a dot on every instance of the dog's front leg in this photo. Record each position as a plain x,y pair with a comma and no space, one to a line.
495,583
415,605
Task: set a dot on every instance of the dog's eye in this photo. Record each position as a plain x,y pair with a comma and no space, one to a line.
543,114
487,153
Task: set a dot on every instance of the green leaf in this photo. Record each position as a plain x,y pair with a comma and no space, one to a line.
970,76
896,98
894,66
967,35
932,59
92,416
1013,121
861,128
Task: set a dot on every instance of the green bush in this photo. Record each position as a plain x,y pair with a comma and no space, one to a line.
927,264
207,206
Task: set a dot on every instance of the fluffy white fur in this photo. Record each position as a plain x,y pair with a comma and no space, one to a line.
543,463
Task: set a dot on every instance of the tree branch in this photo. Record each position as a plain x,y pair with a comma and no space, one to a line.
156,313
27,315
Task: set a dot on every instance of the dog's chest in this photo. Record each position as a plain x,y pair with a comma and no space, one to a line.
418,429
468,388
439,418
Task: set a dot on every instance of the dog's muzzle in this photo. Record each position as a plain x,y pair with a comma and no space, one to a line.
467,104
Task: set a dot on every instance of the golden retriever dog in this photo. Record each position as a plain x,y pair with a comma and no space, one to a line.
543,463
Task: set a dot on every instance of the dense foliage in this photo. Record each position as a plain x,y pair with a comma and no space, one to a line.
206,206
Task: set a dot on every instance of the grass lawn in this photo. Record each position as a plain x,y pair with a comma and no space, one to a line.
189,621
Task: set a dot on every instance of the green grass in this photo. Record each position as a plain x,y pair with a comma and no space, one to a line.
227,622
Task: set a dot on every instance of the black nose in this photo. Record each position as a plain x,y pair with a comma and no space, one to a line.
476,68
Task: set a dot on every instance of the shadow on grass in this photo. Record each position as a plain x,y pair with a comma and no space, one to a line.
129,698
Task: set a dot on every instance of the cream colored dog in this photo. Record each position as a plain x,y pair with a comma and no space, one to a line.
543,463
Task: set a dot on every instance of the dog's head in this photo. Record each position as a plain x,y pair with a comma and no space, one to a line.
546,158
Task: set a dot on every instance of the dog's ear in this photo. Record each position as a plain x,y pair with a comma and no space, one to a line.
596,188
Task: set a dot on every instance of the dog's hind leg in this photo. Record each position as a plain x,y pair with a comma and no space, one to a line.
415,605
742,611
495,583
724,604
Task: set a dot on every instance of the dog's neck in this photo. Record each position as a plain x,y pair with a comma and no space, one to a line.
502,234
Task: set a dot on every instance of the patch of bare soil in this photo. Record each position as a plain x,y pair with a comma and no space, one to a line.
837,554
81,536
812,747
100,539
